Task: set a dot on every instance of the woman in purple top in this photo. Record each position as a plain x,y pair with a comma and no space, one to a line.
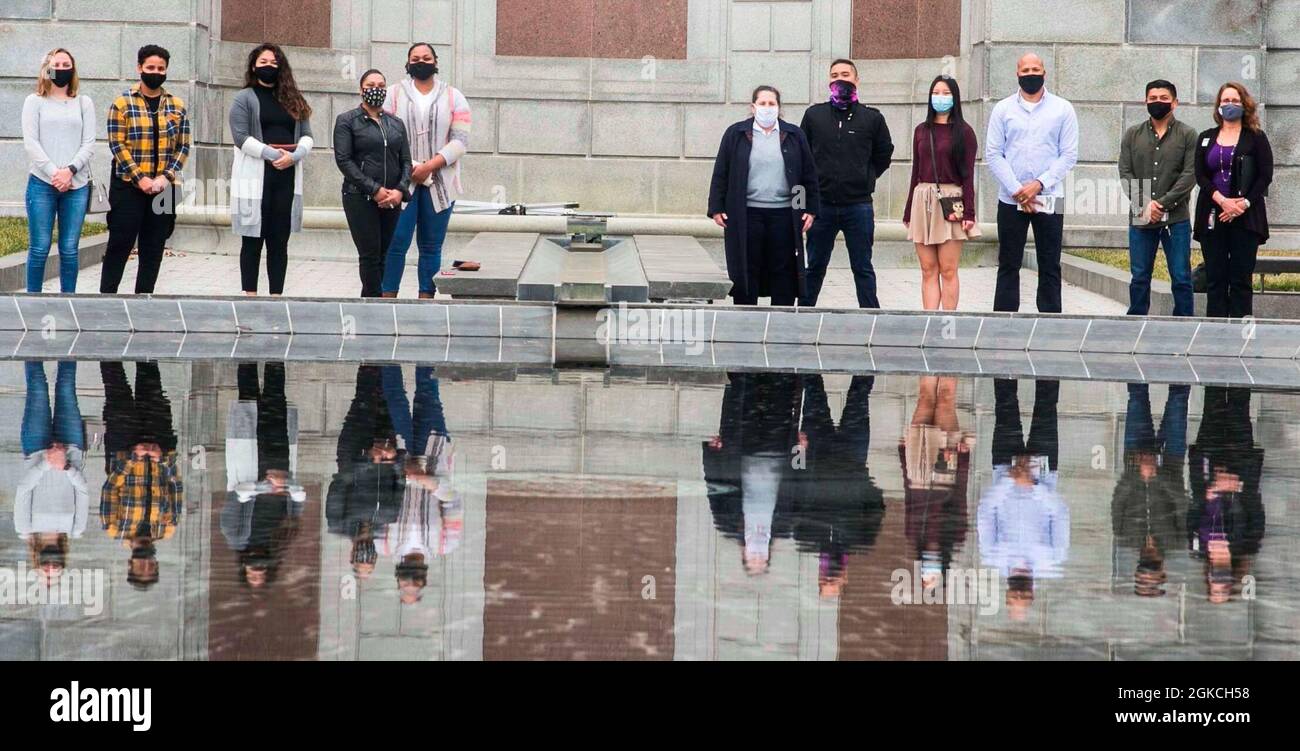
943,166
1234,167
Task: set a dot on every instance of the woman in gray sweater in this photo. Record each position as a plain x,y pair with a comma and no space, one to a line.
59,137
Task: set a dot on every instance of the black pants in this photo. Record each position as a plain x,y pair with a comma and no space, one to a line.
1008,440
277,224
1013,231
272,414
1229,251
769,257
144,416
136,220
372,232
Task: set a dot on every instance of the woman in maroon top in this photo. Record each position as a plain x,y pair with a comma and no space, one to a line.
943,165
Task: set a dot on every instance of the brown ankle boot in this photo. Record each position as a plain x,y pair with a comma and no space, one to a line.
388,294
427,295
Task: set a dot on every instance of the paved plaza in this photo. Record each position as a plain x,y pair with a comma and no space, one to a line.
186,273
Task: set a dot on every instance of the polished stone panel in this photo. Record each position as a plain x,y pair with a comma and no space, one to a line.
1050,364
1219,370
844,358
475,320
205,346
262,346
904,359
1112,335
51,316
150,314
791,356
1273,340
1004,332
318,317
298,23
423,320
527,321
893,330
100,313
740,325
1058,334
262,317
948,330
846,328
591,28
368,319
1112,366
103,345
1278,373
1164,368
154,345
1219,339
786,327
1165,338
1004,361
209,316
953,361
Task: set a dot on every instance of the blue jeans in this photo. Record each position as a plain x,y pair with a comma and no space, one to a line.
40,430
426,419
1177,241
1139,427
44,203
432,226
858,223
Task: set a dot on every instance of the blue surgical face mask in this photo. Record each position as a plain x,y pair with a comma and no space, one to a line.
1231,112
941,102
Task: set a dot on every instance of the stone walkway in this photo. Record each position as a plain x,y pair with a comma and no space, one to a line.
205,274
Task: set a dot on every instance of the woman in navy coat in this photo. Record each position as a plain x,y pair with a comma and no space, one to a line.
764,196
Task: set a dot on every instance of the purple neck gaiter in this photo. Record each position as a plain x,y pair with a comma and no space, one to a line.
843,94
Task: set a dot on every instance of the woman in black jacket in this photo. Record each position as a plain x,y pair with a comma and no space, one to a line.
1234,166
370,149
764,195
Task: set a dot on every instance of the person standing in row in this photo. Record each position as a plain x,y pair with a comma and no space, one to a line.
59,137
437,120
370,149
761,163
852,148
1157,167
942,194
1032,144
1234,167
149,136
270,123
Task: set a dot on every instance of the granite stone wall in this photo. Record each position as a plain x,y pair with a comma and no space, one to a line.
635,132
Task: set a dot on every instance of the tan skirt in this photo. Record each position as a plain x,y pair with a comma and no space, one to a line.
929,226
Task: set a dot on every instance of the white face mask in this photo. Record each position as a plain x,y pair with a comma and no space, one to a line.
766,116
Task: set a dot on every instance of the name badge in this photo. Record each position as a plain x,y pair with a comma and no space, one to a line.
1205,142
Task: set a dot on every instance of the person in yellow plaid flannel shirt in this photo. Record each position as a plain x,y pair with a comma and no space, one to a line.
149,137
141,499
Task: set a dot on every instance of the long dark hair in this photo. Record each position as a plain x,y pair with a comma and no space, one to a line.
286,89
957,151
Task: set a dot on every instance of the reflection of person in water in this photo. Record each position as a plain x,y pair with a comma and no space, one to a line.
366,492
1151,492
141,499
51,503
837,508
1225,521
936,466
1024,527
745,463
261,513
430,521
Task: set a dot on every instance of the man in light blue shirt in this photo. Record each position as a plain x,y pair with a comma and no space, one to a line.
1032,144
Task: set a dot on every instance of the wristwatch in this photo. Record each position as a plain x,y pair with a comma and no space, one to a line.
1246,201
72,168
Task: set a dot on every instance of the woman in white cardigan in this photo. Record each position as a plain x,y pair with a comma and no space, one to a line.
437,120
270,122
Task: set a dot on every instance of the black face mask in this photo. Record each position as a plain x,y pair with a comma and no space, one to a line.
153,80
61,76
421,71
1158,110
267,73
1032,83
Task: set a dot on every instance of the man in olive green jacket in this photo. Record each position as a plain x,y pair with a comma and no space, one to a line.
1157,169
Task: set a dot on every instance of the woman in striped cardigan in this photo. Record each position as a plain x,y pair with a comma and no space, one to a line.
437,120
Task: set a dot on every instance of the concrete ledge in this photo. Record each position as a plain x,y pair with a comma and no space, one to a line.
13,267
1111,282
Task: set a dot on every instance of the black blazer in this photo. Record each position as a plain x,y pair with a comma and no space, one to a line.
730,186
1252,173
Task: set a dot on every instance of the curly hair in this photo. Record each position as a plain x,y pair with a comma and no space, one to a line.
286,89
1250,118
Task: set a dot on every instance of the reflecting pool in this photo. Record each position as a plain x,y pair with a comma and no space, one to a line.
342,511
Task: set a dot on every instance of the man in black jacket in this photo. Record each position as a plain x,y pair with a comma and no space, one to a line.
851,147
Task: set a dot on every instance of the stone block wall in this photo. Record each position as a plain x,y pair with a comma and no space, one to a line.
634,129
